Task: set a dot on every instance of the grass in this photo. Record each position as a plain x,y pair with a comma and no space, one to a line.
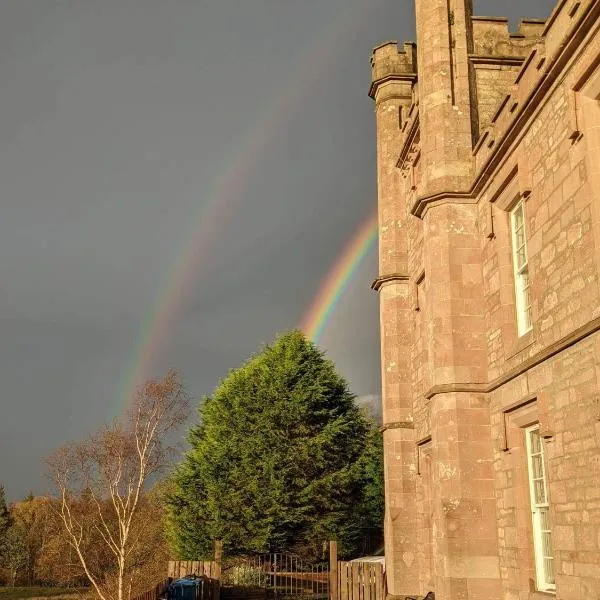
21,593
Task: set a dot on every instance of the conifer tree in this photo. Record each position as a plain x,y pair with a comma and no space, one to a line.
275,462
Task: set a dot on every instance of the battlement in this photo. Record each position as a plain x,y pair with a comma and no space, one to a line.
492,38
388,62
552,41
530,28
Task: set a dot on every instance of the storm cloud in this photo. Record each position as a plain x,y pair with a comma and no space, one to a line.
121,125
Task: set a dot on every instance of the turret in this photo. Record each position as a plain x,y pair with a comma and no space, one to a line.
393,74
393,78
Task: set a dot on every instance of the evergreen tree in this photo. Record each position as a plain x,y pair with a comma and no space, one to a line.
277,461
371,467
372,507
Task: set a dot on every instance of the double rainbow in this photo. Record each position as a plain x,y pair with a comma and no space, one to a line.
338,279
228,190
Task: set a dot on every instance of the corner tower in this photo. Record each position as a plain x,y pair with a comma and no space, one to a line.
394,74
433,344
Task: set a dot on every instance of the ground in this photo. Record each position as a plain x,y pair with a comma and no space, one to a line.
10,593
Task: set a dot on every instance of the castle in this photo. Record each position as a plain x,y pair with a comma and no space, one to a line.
488,146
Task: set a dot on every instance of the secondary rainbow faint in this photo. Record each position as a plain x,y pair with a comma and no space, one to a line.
337,280
227,191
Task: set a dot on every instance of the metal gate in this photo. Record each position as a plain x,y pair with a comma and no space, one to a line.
276,575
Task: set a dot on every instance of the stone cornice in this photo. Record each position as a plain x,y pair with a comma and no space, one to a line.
397,77
561,345
391,278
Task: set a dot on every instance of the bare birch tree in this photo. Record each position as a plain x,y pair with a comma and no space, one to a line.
108,471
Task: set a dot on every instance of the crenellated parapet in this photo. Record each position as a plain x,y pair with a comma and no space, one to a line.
496,57
492,38
552,46
388,63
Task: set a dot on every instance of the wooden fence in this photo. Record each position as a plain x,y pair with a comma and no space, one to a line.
355,580
209,572
361,581
156,592
347,580
200,568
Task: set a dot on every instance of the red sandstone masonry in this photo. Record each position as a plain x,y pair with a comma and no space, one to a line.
494,117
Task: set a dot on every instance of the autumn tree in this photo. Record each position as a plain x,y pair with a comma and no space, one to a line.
101,481
35,517
275,462
149,548
52,558
4,527
4,517
15,554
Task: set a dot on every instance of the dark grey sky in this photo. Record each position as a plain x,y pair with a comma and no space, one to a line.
122,121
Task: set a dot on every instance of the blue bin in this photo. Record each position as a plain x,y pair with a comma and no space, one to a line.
186,588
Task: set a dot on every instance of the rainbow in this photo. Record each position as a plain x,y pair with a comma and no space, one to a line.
337,280
227,191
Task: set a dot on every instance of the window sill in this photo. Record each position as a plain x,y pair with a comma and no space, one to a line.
540,595
520,344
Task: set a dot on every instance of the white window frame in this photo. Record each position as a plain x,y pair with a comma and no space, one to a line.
521,268
538,492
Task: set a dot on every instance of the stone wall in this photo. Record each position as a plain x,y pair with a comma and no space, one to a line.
468,124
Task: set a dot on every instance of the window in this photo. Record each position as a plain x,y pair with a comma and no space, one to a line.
538,488
521,267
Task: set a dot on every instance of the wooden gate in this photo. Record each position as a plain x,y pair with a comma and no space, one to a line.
360,581
355,580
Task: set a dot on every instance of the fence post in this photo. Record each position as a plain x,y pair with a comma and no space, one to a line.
218,562
333,571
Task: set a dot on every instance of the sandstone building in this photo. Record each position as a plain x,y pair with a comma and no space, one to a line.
489,272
